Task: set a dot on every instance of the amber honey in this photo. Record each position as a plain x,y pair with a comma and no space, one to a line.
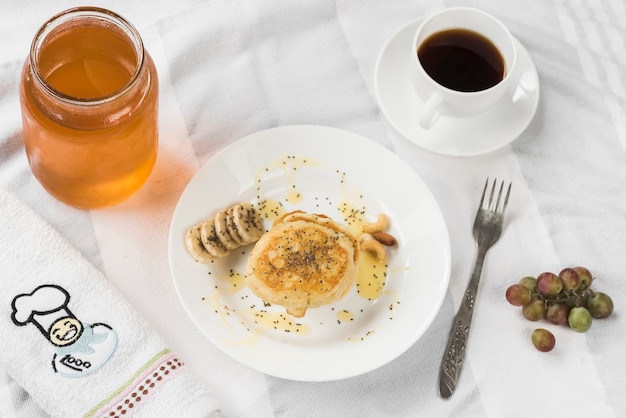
89,98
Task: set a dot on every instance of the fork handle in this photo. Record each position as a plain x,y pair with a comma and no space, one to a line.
454,356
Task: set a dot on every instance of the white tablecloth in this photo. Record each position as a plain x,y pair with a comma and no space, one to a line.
228,69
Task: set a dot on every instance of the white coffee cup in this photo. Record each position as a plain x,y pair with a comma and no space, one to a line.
441,100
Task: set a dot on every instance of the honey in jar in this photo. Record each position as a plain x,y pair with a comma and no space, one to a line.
89,100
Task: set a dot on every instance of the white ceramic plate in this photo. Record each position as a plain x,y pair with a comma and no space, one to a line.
351,336
459,137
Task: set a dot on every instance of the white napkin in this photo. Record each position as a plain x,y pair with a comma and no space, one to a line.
71,340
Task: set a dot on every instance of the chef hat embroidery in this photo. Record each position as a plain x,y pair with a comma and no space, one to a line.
43,308
81,348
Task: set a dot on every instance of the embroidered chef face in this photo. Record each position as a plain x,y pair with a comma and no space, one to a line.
80,348
65,331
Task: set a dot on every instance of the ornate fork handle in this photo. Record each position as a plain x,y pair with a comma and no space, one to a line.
454,355
487,229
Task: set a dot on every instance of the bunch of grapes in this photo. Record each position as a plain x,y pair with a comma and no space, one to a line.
563,299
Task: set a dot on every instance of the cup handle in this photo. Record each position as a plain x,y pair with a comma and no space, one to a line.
430,113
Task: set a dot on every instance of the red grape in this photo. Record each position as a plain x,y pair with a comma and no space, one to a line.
585,277
543,340
518,295
557,313
570,279
549,284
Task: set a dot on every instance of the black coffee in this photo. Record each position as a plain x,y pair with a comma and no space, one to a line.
462,60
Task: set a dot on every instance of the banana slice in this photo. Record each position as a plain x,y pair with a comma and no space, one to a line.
230,228
193,242
221,230
210,240
248,221
233,229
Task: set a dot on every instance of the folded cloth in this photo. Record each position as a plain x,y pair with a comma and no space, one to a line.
72,341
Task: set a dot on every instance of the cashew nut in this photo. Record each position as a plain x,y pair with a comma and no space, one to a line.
382,222
365,237
369,243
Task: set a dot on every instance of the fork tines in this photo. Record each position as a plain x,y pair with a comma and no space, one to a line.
491,194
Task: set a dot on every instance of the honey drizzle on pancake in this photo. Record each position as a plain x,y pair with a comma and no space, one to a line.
236,282
224,312
354,218
362,338
255,322
270,209
372,273
278,321
289,164
344,316
371,276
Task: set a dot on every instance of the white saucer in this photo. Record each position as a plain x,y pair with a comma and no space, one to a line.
480,134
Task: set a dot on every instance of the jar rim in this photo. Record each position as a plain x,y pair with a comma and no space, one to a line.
77,13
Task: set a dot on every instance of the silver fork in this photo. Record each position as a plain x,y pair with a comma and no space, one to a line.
487,230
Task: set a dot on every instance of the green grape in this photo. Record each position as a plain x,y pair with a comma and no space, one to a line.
534,310
600,305
570,279
543,340
557,313
549,284
530,282
579,319
518,295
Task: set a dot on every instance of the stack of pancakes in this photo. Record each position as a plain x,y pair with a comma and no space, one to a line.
303,261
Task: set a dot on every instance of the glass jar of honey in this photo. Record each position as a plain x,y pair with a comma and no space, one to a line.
89,99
